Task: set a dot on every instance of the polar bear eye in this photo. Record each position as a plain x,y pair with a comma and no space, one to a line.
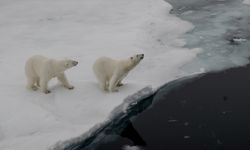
66,64
131,58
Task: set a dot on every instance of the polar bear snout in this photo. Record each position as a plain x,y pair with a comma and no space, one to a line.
141,56
74,63
70,63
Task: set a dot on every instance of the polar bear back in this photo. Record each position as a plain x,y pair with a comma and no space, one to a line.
35,65
105,66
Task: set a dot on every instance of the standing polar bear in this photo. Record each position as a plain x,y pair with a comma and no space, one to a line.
39,70
110,72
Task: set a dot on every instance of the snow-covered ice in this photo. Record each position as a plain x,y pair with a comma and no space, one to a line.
83,30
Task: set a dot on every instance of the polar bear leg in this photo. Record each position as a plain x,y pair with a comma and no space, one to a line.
31,83
113,83
102,80
120,83
44,85
62,78
103,85
37,82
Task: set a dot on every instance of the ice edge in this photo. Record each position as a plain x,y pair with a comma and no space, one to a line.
131,106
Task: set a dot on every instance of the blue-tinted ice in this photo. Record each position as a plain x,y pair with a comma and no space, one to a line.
222,30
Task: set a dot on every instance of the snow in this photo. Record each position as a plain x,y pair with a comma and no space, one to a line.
83,30
246,2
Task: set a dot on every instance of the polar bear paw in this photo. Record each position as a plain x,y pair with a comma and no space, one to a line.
114,90
47,91
34,88
70,87
120,84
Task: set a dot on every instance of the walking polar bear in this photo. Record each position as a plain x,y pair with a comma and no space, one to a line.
39,70
110,72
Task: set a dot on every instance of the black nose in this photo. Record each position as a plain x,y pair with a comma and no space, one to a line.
142,56
75,63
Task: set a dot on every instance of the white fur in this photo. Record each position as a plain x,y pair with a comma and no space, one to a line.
110,72
39,70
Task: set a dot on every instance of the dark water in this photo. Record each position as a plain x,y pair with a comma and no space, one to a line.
209,113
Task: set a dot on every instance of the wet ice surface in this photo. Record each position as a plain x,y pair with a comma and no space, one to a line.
222,29
209,113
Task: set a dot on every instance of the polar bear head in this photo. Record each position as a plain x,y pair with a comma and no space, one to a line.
61,65
68,63
136,59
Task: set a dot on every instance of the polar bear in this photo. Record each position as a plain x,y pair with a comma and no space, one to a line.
110,72
39,70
